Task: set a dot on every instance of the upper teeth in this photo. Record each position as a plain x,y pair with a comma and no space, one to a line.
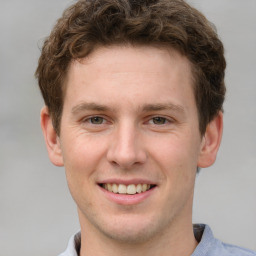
126,189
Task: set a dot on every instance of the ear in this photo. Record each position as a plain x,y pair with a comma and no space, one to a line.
211,142
51,138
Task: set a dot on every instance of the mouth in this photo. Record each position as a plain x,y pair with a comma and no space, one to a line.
130,189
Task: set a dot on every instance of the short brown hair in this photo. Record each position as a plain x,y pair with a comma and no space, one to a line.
171,23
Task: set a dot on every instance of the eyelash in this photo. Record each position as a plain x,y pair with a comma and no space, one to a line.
163,120
90,120
151,120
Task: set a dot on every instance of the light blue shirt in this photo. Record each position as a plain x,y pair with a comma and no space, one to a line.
208,245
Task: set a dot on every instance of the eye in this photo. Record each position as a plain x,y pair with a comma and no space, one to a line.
159,120
96,120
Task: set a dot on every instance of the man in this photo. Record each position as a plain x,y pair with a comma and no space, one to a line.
133,95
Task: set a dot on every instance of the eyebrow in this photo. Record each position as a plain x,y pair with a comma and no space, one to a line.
163,106
145,108
88,106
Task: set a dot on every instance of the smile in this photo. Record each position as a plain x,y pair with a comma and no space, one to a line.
130,189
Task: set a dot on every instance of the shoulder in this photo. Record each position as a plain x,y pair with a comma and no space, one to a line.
210,246
232,250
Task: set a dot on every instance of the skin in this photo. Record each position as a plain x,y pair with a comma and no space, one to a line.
146,129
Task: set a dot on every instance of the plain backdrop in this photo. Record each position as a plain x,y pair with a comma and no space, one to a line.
37,214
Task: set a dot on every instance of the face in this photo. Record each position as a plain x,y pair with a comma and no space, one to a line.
130,141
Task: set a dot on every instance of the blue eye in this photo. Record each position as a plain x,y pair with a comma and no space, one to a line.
96,120
159,120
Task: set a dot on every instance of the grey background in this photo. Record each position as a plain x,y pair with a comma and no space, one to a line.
37,214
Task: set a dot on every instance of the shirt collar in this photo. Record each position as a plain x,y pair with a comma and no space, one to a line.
205,239
74,245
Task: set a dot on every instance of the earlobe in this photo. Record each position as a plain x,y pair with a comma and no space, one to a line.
51,138
211,142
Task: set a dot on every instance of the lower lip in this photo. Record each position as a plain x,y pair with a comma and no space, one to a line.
125,199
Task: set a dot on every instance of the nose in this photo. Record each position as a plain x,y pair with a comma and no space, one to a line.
126,147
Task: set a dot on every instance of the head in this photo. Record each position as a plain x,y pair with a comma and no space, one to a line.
87,25
133,93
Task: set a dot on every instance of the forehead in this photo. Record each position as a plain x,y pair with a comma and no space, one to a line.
127,59
141,71
117,57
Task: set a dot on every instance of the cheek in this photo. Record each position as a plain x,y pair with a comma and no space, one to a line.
81,156
173,149
80,165
81,151
176,155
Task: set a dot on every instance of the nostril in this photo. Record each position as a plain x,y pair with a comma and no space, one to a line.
125,152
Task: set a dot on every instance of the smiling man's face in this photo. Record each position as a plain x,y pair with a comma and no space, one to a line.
130,141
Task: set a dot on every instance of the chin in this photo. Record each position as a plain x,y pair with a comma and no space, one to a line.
133,231
129,235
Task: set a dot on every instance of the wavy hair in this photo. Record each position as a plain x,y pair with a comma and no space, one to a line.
88,24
